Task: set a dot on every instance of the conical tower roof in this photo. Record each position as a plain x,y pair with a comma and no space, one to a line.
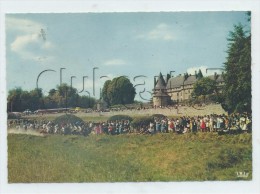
160,83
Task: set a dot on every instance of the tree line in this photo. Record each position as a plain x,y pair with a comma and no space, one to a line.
62,96
117,91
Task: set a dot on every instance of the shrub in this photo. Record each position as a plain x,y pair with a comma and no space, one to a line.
13,116
141,121
158,116
67,119
120,117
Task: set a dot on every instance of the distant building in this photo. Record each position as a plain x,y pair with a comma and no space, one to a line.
160,96
178,89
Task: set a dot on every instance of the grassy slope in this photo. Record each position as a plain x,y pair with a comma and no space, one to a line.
172,113
161,157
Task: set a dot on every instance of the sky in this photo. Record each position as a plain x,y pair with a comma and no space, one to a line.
129,44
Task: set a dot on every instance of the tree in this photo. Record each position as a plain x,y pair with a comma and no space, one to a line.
203,87
168,76
19,100
52,92
36,99
14,100
66,96
186,75
237,77
104,92
118,91
199,75
86,102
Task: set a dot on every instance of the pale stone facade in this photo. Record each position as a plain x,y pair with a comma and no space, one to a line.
179,88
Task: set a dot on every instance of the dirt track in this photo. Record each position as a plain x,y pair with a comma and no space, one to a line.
22,131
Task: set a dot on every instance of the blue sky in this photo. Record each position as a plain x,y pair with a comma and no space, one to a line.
129,44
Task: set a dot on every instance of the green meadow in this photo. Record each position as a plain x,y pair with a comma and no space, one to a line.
128,158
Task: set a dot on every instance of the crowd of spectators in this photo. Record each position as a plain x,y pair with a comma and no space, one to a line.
207,123
184,124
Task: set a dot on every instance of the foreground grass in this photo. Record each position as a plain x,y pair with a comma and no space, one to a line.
128,158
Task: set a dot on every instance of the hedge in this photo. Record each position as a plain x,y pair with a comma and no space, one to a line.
67,119
141,121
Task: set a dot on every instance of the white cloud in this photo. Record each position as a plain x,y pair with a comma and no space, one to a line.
30,46
114,62
28,42
21,42
203,69
160,32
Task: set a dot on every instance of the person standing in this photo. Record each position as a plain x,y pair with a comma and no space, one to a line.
170,126
203,125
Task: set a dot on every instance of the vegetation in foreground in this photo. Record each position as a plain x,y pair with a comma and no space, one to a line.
128,158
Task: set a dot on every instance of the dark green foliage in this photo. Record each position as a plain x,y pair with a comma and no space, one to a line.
217,97
118,91
63,96
168,76
203,87
13,116
199,75
158,116
237,90
67,119
86,102
20,100
186,75
120,117
139,121
229,158
104,92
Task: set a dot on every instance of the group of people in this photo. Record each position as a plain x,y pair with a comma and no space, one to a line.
180,125
112,127
208,123
49,127
75,128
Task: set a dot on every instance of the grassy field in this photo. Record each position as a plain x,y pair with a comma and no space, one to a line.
128,158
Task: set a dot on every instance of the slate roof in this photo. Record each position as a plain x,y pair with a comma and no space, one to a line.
160,83
176,82
190,80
